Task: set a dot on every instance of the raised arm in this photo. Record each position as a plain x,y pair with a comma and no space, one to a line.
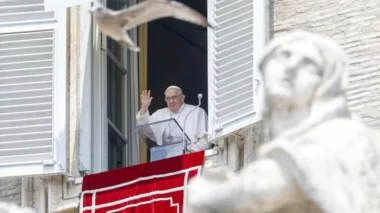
263,186
142,116
145,101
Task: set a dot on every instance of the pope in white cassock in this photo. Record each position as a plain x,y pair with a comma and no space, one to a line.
167,132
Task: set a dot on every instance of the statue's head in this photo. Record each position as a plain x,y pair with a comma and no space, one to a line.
301,68
305,77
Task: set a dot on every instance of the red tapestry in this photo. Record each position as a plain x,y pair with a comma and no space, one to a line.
156,187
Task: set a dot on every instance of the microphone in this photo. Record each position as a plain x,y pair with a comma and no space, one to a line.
184,144
200,96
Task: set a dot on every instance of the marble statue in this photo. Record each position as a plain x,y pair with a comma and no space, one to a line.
320,159
12,208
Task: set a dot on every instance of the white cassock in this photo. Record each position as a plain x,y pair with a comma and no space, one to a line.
166,132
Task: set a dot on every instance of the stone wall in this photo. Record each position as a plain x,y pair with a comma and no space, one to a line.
10,190
355,26
239,149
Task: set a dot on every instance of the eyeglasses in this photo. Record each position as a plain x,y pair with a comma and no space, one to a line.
172,97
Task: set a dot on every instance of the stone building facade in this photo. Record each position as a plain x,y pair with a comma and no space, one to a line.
353,24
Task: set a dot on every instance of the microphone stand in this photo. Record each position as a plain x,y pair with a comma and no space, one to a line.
184,144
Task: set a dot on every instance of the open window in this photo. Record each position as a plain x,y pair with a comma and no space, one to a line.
32,89
177,55
220,63
109,79
113,100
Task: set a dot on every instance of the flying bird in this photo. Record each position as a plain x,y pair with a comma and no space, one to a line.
116,23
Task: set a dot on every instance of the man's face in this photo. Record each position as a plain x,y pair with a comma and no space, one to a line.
174,99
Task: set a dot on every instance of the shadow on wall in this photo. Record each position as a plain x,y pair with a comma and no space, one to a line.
177,55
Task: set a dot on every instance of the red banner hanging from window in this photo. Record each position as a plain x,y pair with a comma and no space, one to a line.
156,187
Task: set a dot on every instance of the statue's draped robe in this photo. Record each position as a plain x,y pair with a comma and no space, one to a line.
336,164
333,158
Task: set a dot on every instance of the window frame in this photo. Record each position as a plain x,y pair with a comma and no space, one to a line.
121,133
99,102
50,5
58,164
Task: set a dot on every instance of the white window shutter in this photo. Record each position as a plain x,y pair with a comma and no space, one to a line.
32,89
234,47
51,5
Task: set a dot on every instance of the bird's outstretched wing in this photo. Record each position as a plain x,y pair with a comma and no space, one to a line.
150,10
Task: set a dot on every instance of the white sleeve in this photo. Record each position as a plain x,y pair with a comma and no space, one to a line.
142,119
146,119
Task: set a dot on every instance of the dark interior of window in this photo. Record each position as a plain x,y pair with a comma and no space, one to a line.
177,55
115,99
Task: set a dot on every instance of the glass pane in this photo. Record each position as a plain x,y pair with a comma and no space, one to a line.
115,97
115,94
115,48
116,150
112,45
